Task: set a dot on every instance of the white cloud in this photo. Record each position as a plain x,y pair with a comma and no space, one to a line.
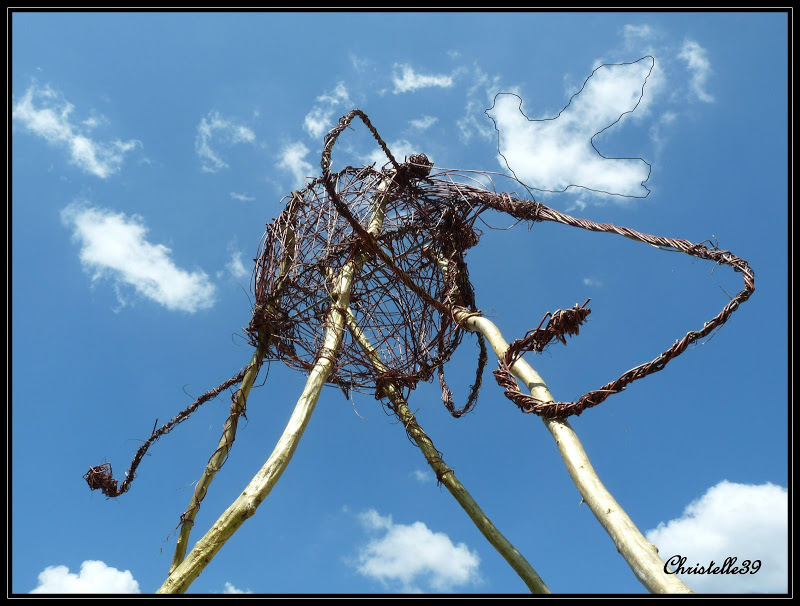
292,158
95,121
235,266
422,476
745,521
653,90
632,32
592,282
400,148
659,129
230,588
424,123
242,197
94,577
697,61
666,90
229,133
555,152
359,63
579,204
46,113
407,80
115,246
318,121
412,555
338,95
479,95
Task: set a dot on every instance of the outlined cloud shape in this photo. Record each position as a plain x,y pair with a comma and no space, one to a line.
555,154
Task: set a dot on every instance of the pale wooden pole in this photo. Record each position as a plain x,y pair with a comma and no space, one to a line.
443,473
182,575
239,402
639,553
218,457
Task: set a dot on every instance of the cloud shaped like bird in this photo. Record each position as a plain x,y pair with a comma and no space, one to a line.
554,154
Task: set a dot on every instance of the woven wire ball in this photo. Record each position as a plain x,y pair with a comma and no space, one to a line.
305,248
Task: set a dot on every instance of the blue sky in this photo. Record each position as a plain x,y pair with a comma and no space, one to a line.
149,151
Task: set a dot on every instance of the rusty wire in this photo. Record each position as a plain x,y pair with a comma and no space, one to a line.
405,295
101,477
535,211
414,278
414,337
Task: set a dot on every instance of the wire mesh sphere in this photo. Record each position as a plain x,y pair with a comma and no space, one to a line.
304,250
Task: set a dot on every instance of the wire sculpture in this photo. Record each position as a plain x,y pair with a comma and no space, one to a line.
413,280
